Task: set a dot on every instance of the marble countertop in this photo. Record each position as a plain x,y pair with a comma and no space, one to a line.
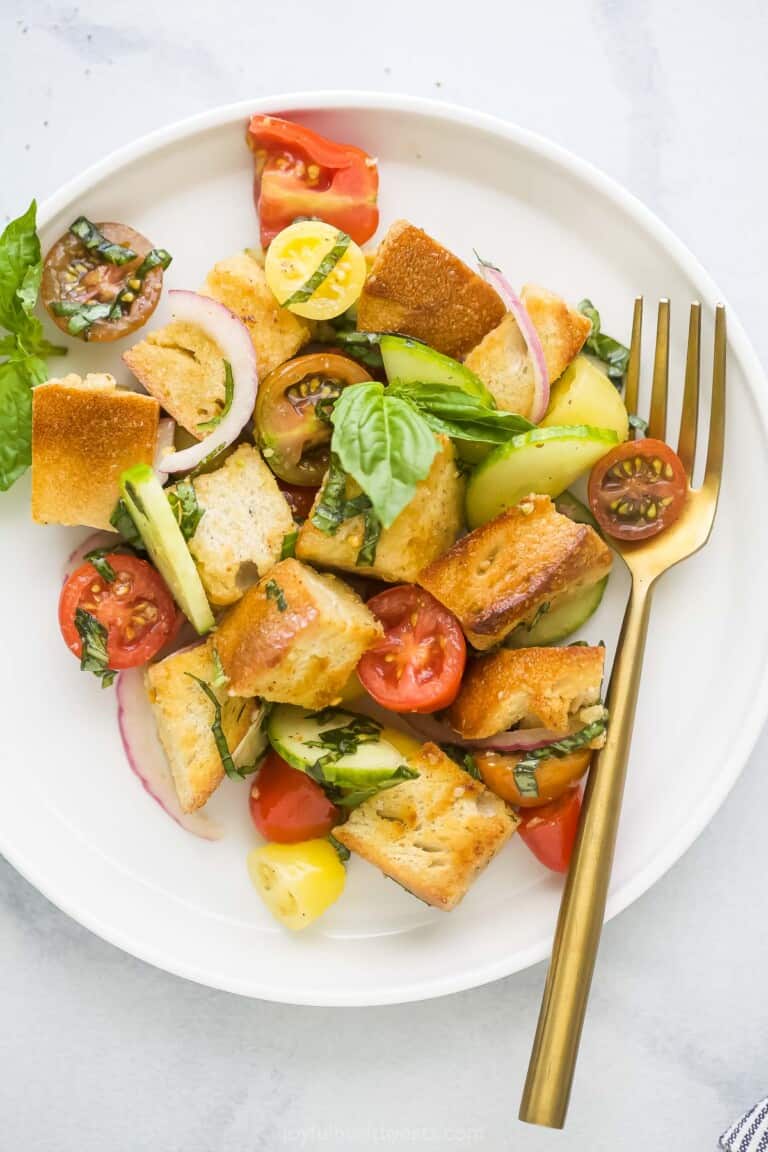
98,1050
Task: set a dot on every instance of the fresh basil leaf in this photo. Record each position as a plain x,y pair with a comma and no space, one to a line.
453,412
614,355
20,257
385,444
353,797
93,638
525,769
229,391
329,513
15,423
463,758
361,346
184,505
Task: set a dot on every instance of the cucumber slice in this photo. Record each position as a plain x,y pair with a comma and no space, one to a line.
563,620
296,735
545,461
567,504
406,361
150,511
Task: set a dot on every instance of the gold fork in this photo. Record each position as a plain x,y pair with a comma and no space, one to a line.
555,1048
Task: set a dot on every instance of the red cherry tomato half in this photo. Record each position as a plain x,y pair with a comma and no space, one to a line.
418,665
287,805
550,831
300,173
136,609
299,498
638,489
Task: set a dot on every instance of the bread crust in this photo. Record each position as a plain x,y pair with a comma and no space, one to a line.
418,288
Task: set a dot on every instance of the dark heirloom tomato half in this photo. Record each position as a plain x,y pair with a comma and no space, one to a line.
136,609
638,489
78,281
299,498
300,173
550,831
418,665
293,413
287,805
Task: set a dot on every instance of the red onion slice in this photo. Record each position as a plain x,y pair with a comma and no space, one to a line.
519,740
146,756
515,305
233,338
166,430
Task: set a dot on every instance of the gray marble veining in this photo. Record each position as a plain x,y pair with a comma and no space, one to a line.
98,1050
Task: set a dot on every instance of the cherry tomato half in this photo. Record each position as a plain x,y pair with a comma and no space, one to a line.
638,489
554,776
136,609
299,498
418,665
300,173
287,805
550,831
294,435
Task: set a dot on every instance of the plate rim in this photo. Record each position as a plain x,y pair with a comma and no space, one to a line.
755,378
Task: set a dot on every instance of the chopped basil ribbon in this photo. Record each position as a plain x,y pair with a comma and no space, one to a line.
275,592
340,849
220,677
463,758
217,730
188,513
334,508
122,521
288,547
351,799
344,740
95,241
99,560
229,391
525,769
323,270
614,355
93,637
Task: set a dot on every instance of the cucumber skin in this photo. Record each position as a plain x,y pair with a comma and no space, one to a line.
563,621
407,361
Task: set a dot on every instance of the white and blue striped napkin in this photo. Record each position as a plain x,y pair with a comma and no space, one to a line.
750,1132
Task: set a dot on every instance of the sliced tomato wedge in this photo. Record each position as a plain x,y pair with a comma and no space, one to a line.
638,489
299,498
287,805
550,831
135,607
300,173
418,665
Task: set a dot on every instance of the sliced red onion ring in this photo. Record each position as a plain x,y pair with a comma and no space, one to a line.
166,430
146,756
530,335
520,740
90,544
429,727
233,338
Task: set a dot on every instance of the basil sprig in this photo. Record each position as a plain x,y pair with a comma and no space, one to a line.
614,355
525,769
93,638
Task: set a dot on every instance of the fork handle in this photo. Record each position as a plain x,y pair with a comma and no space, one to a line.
555,1047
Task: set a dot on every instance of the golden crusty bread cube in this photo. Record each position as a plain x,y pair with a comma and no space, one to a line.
184,368
184,714
245,520
426,528
501,359
418,288
295,637
434,834
543,687
84,434
499,575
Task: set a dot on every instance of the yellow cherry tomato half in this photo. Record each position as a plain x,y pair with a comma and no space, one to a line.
315,270
297,882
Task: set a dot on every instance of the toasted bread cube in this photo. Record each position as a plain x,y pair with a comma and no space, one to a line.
499,575
84,434
184,368
426,528
184,715
501,359
418,288
295,637
245,520
542,687
435,834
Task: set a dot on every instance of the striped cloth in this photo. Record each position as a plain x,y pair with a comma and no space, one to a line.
750,1132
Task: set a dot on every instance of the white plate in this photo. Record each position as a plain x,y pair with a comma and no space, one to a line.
75,821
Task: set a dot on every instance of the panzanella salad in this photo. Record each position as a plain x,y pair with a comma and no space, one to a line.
335,557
